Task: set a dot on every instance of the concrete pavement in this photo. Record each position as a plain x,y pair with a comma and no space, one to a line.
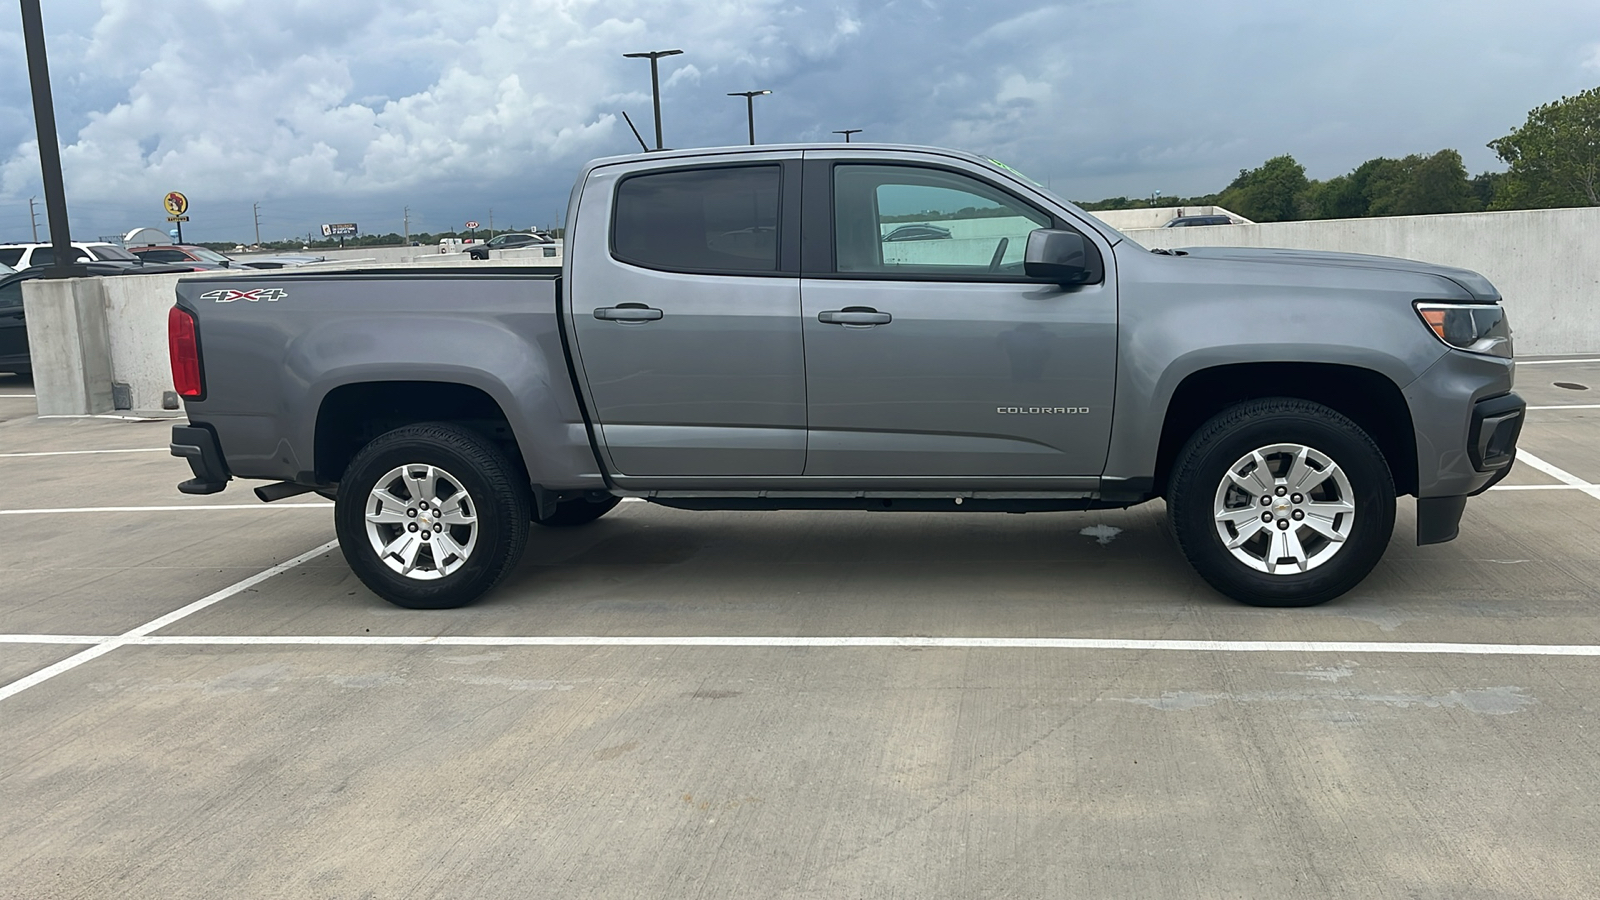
270,744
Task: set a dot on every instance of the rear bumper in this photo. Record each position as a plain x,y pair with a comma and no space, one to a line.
198,445
1492,449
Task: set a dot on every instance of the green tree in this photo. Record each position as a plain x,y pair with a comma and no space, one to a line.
1272,193
1554,157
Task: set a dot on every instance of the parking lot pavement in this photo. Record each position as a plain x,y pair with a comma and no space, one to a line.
1048,725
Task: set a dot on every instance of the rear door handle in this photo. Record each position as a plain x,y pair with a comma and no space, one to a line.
627,312
854,315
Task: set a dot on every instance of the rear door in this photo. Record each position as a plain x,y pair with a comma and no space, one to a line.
929,353
684,297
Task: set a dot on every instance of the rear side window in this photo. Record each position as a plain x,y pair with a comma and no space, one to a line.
703,220
10,256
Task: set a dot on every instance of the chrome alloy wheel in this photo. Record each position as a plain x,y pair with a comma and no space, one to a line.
1284,509
421,522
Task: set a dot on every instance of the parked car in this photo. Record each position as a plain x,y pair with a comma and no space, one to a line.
507,242
25,256
814,371
1193,221
184,254
921,232
14,355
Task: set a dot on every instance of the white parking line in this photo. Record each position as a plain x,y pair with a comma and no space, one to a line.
112,643
1554,362
1578,406
1537,487
1561,475
86,452
119,509
20,396
141,637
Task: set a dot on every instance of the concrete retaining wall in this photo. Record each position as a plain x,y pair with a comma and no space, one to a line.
1546,262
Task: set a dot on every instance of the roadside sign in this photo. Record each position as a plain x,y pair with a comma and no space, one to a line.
176,204
472,225
345,229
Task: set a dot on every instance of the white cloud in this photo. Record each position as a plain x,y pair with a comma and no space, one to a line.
322,109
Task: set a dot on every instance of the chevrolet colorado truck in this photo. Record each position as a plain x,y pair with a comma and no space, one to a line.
735,329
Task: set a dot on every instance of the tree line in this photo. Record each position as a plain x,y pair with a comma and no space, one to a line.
1552,159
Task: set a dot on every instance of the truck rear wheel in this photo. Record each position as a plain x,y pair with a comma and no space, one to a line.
581,511
431,516
1282,502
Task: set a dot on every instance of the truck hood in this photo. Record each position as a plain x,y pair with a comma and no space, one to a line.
1470,281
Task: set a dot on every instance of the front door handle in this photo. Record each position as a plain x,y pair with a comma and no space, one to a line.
854,315
627,312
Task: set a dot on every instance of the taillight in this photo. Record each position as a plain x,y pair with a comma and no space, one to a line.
185,349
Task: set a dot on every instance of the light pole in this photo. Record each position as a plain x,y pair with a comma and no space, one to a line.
750,109
655,81
847,132
44,120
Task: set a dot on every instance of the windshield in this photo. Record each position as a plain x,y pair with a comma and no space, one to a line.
106,252
210,256
1111,234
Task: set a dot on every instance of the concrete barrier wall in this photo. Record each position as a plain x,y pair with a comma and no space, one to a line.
85,334
1545,262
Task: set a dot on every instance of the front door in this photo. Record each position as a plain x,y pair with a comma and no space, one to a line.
929,353
686,314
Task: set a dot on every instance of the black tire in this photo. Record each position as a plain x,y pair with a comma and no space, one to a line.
572,513
496,490
1206,460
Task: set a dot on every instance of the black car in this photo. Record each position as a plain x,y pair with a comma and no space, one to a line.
1192,221
507,242
14,356
920,232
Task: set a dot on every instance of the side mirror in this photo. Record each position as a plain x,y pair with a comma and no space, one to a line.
1058,255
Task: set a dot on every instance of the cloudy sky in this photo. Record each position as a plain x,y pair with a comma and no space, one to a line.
351,111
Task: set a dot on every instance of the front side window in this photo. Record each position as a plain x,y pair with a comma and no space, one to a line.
703,220
916,221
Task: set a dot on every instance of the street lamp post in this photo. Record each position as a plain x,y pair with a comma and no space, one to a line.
750,109
655,81
44,119
847,132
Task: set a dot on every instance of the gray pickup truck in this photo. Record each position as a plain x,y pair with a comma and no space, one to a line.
854,327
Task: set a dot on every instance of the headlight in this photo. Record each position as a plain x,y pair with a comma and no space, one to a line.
1475,329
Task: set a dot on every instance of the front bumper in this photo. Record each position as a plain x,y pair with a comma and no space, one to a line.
199,446
1492,449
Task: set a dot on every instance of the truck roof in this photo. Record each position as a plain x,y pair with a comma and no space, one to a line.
781,148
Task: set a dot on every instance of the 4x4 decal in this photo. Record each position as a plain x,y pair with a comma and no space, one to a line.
229,295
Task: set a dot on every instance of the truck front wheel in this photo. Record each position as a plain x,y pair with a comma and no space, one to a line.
1282,502
431,516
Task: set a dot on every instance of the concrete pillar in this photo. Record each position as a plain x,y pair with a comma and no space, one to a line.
70,345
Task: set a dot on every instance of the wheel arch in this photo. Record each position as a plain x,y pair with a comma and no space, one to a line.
1369,398
350,415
